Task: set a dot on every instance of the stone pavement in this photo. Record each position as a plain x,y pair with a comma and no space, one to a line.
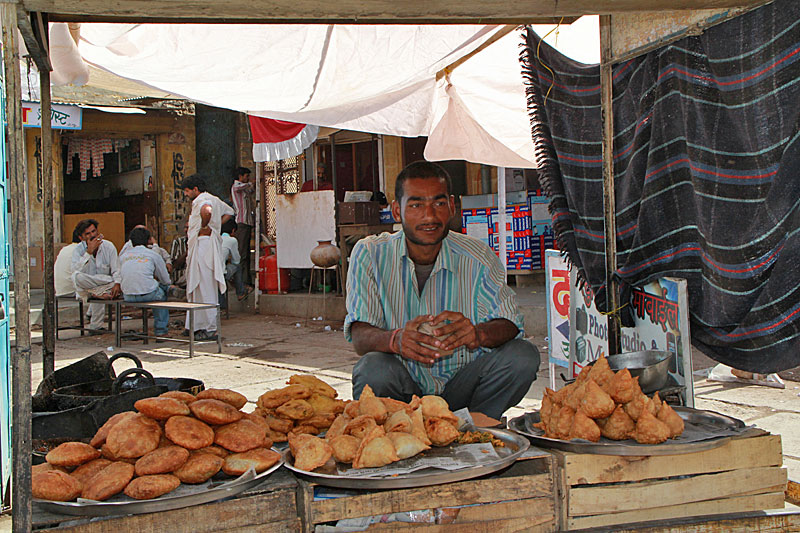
282,346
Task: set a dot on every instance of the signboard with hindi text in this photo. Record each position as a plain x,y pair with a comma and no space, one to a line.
661,322
62,117
558,297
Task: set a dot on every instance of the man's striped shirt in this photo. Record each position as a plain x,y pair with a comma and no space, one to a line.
467,277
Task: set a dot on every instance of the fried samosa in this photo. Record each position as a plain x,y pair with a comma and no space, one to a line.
375,450
406,445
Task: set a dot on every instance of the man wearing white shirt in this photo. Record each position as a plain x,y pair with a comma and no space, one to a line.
145,277
62,268
95,271
205,269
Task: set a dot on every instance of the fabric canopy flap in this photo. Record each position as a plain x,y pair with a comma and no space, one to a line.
706,151
274,140
374,79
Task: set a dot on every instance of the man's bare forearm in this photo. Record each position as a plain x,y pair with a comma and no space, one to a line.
367,338
496,332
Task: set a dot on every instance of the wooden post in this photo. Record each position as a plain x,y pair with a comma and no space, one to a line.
609,204
21,355
48,311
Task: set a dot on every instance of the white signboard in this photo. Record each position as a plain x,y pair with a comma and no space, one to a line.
302,220
62,117
557,289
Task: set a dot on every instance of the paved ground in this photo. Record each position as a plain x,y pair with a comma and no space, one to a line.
280,346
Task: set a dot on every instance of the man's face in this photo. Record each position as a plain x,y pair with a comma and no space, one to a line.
89,233
191,194
425,210
244,178
320,173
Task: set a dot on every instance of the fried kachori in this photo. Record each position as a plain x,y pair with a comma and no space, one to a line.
215,411
133,437
199,468
86,471
260,459
183,396
100,437
189,432
151,486
55,485
224,395
109,481
160,408
241,436
71,454
161,461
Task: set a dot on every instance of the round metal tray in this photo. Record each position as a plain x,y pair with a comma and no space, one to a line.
515,446
704,430
120,505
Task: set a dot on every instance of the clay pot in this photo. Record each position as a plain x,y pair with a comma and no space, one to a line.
325,254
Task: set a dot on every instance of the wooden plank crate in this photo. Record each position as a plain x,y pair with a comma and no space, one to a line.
270,506
742,475
521,498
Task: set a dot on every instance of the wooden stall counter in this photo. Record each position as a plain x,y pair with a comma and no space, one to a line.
270,506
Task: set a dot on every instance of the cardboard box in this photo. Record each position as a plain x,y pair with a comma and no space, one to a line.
36,266
359,213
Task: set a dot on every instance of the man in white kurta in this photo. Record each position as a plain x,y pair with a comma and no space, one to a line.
95,270
205,268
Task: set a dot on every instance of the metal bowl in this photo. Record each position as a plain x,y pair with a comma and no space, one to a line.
652,367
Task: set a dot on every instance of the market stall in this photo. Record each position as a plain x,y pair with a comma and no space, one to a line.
552,480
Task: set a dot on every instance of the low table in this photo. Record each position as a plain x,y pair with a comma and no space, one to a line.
189,307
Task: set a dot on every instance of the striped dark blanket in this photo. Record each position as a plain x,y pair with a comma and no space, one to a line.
707,170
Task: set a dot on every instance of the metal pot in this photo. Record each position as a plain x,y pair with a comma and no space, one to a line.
652,367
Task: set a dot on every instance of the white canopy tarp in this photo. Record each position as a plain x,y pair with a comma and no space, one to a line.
377,79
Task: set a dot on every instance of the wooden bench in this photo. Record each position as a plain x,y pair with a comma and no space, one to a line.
189,307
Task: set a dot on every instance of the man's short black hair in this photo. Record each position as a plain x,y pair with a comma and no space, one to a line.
421,169
241,171
139,236
75,236
83,225
195,180
229,226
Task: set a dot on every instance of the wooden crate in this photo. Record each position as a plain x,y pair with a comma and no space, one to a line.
605,490
518,499
271,506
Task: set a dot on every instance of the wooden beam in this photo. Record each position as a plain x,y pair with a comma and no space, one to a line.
21,354
354,11
609,203
36,40
48,241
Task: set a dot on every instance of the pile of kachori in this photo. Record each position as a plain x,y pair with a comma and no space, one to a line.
170,439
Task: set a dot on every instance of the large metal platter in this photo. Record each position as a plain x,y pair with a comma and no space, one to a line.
191,495
515,446
704,430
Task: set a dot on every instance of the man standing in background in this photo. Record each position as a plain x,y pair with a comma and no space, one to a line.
205,270
95,271
243,196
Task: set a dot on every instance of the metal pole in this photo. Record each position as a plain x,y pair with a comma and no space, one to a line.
501,218
259,192
333,165
48,311
609,203
21,355
374,154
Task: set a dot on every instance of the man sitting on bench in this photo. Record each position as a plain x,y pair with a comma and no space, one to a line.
145,277
95,271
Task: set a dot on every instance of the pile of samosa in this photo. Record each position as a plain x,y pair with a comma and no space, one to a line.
601,402
170,439
374,432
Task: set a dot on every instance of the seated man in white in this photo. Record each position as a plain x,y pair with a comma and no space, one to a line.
95,271
145,277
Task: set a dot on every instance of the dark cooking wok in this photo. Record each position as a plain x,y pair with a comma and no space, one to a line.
81,394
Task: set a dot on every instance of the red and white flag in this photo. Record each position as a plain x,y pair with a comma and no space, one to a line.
277,139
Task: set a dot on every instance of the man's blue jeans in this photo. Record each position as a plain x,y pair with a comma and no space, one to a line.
160,316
